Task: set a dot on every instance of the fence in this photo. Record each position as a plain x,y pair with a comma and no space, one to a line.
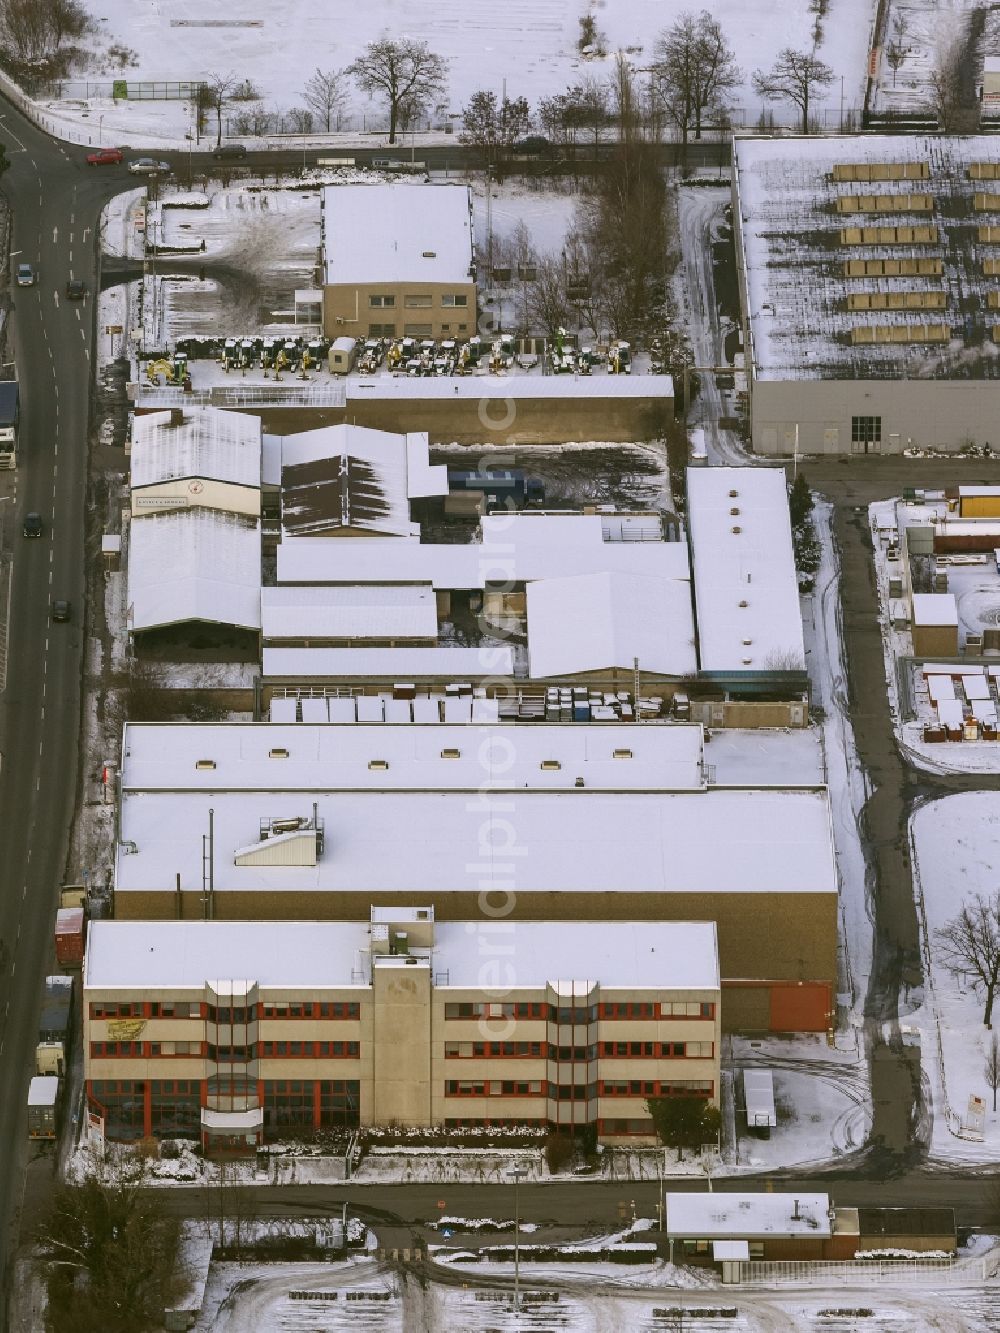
803,1272
246,395
132,90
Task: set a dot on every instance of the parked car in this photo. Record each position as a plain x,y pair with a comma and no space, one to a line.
27,275
62,611
75,290
148,166
32,524
230,150
105,157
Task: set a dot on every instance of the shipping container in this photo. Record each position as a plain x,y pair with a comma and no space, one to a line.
43,1102
758,1095
54,1026
70,933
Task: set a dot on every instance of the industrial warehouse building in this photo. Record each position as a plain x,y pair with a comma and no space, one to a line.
869,275
243,1032
540,822
399,261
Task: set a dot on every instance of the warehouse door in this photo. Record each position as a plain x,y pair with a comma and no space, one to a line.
804,1008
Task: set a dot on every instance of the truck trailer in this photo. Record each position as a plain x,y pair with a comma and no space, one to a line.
498,487
54,1026
9,417
43,1103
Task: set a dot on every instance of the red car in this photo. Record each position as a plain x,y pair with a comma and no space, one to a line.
105,157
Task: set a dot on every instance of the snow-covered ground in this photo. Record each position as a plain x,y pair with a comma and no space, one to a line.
528,45
956,851
926,32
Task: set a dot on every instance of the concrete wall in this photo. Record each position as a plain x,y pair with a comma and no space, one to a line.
941,414
401,1039
489,419
347,311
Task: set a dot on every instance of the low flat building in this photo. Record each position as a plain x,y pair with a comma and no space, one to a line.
370,616
745,584
399,261
718,1227
546,823
239,1033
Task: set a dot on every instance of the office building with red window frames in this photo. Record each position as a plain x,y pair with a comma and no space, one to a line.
238,1033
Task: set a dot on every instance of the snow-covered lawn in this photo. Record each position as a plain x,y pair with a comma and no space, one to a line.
956,851
530,44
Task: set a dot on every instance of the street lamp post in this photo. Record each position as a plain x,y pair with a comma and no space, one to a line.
100,131
517,1174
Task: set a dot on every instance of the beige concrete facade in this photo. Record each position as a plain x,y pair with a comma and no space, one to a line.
400,310
396,1044
195,493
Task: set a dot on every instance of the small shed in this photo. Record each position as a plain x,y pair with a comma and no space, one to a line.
915,1229
935,624
340,359
758,1096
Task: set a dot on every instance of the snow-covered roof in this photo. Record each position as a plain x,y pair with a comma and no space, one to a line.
796,241
935,608
403,232
582,840
393,664
194,564
496,392
702,1216
745,584
591,622
651,757
144,955
371,611
195,442
355,478
513,549
967,492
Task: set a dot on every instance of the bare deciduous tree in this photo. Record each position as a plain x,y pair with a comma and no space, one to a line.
493,126
324,95
797,77
546,303
945,84
991,1068
694,71
969,946
406,73
216,91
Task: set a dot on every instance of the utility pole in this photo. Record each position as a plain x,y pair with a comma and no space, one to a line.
517,1173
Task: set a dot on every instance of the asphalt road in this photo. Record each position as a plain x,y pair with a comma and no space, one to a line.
56,206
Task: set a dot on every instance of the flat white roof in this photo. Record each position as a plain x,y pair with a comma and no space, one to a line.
390,664
207,442
702,1216
496,392
787,210
433,843
935,608
144,955
194,564
966,491
591,622
407,611
745,584
511,549
650,757
404,232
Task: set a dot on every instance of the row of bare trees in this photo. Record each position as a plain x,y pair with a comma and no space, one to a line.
36,36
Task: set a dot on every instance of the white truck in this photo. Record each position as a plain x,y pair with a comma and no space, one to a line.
758,1098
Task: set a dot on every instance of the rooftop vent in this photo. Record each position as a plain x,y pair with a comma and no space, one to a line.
744,603
430,254
205,763
579,782
621,754
550,764
278,753
747,643
735,510
378,764
733,495
451,754
737,530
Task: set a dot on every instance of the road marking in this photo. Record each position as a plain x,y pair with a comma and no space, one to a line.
10,133
55,295
86,233
55,235
5,628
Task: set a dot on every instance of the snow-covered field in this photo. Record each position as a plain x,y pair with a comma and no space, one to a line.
956,850
530,44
